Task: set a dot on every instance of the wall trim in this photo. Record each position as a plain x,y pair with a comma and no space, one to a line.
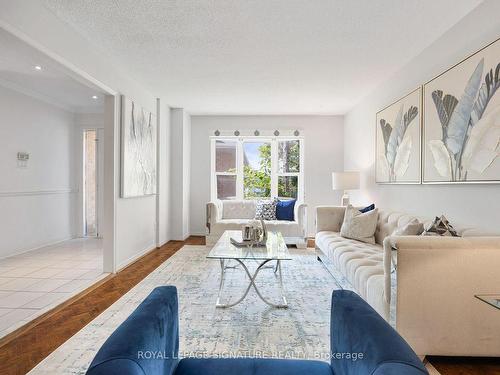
37,192
135,257
41,246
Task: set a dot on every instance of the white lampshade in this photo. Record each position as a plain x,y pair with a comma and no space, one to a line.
345,180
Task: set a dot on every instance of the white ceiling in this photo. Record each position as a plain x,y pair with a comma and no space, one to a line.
262,56
53,83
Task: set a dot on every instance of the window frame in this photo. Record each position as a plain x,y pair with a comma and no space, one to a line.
240,140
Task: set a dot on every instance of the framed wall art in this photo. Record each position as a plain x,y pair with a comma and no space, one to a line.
461,138
398,137
138,156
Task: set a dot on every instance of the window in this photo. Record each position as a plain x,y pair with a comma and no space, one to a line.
257,167
225,169
256,170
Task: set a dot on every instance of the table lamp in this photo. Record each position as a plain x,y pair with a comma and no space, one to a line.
345,181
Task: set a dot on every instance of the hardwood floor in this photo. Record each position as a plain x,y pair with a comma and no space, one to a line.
466,365
24,348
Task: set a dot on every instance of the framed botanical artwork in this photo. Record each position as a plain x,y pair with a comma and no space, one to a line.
462,121
138,150
398,134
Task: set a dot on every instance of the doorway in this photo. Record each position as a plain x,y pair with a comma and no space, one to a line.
90,186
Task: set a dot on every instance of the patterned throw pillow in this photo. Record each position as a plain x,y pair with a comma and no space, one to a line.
266,209
440,227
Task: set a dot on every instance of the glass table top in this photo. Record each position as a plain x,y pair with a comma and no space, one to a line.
490,299
275,248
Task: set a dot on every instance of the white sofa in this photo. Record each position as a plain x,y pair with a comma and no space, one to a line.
437,279
225,215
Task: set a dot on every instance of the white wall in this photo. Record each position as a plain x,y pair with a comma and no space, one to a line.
37,203
180,144
476,205
134,229
323,154
163,186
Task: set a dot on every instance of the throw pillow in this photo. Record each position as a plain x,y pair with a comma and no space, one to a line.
359,226
285,209
440,227
367,208
412,228
265,209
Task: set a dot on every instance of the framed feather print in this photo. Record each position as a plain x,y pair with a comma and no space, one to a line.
398,133
462,121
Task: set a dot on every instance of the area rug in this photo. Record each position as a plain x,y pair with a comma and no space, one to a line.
250,328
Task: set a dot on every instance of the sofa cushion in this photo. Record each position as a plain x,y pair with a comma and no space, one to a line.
413,228
362,264
285,209
238,209
250,366
359,226
387,223
266,209
367,208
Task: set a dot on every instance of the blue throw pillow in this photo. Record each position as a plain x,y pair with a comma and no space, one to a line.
284,209
367,208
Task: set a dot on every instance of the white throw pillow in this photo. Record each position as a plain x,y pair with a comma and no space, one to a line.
412,228
359,226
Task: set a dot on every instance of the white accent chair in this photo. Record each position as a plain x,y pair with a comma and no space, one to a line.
437,279
225,215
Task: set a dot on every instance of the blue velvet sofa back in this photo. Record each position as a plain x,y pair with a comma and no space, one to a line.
362,343
147,342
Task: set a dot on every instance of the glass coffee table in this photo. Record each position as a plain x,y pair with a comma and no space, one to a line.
274,251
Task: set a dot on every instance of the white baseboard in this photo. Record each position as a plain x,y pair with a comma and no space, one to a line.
134,257
38,247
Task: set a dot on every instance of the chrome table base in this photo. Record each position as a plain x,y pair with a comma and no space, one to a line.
263,265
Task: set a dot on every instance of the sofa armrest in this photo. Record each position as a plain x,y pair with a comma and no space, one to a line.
362,342
213,214
423,243
300,215
437,279
329,218
153,327
388,246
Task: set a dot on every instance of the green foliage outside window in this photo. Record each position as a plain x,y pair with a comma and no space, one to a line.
257,182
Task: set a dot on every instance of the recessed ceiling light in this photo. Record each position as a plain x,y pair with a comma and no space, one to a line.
94,97
38,67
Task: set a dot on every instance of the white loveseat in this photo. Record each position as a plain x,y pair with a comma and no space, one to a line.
437,279
225,215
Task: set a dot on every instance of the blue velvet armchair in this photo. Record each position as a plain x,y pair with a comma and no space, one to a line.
147,343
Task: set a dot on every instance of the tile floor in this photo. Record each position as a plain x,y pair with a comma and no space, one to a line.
34,282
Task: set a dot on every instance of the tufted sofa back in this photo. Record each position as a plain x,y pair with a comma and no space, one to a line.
234,209
388,221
